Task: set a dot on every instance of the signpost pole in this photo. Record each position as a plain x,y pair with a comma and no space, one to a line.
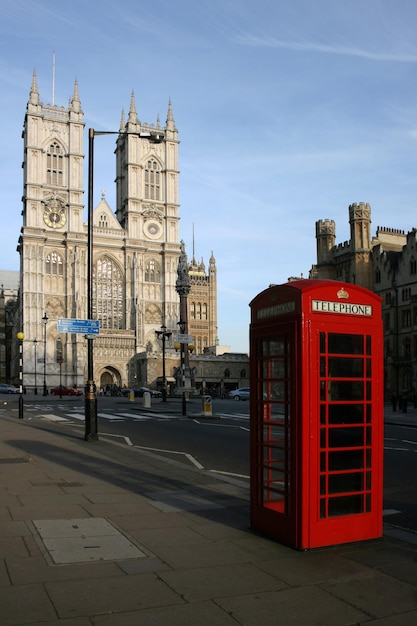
91,433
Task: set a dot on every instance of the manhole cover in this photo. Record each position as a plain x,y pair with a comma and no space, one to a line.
81,540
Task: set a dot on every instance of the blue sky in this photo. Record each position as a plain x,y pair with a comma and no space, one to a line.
287,111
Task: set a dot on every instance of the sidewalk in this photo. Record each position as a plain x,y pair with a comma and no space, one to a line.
106,535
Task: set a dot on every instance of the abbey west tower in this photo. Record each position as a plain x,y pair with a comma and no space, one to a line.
135,249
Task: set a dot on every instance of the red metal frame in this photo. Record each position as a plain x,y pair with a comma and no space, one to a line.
316,413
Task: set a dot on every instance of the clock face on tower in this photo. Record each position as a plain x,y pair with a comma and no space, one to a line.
54,217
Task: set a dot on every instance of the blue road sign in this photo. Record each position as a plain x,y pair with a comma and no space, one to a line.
79,327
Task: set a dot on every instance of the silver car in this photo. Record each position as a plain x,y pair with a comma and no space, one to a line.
240,394
8,389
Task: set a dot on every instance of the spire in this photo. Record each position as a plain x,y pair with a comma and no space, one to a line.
170,117
122,121
133,116
75,104
34,93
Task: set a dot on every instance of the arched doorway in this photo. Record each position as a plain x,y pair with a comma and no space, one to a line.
110,380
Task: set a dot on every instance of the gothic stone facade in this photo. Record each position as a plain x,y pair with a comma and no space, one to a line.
135,249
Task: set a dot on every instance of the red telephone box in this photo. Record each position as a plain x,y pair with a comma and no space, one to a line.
316,361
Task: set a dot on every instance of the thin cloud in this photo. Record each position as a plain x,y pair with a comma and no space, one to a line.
247,39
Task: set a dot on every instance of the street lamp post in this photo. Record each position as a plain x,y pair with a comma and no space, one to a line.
154,136
91,433
20,336
163,334
45,321
35,345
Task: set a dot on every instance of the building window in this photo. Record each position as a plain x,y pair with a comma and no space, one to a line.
108,294
54,265
387,322
204,312
406,294
152,272
413,266
243,373
406,318
152,180
227,373
407,349
102,222
192,310
54,165
378,275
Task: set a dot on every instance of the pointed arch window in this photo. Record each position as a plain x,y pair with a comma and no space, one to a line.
152,272
152,180
54,265
108,294
55,165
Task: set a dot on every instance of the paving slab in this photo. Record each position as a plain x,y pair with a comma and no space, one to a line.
315,568
220,581
25,604
197,613
110,595
306,606
24,570
378,595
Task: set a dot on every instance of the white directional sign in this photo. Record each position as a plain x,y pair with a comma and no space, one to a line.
181,338
79,327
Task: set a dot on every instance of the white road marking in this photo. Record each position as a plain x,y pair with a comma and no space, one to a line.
110,416
187,456
53,418
77,416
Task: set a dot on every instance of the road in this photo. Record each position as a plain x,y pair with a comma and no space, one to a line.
222,444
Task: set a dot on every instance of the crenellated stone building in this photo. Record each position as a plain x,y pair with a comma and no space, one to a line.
387,265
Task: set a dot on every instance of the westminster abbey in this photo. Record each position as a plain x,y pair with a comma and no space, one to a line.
135,250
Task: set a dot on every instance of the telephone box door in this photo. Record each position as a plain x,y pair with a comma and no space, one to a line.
345,442
274,433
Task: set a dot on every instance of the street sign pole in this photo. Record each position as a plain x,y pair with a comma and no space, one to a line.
91,427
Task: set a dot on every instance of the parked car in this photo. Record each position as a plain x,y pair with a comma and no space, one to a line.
65,391
240,394
139,391
8,389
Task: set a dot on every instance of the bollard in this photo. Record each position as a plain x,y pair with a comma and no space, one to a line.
131,395
146,400
206,408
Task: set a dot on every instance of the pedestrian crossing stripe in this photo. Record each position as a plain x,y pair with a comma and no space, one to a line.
53,418
110,416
